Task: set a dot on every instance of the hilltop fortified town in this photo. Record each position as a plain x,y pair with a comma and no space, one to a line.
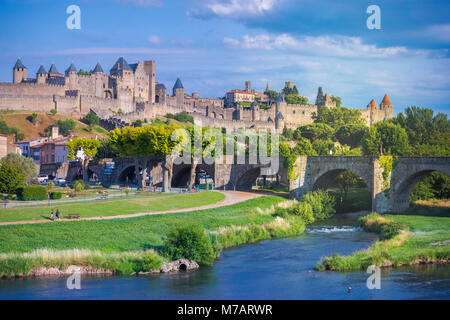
131,92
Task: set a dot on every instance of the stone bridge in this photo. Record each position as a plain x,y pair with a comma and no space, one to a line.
388,195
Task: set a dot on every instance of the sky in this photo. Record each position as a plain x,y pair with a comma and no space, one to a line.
216,45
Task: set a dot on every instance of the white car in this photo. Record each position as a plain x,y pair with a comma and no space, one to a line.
59,181
42,178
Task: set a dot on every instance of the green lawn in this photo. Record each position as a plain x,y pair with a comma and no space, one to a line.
140,233
114,206
427,237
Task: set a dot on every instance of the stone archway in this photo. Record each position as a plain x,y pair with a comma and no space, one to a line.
247,179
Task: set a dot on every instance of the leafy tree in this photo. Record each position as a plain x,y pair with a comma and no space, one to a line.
181,117
385,138
66,127
138,123
435,186
89,148
17,134
272,96
296,99
91,119
304,147
32,118
323,147
339,116
107,149
351,134
337,100
288,133
27,164
346,179
344,150
287,91
12,177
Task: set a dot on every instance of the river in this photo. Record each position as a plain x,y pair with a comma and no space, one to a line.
275,269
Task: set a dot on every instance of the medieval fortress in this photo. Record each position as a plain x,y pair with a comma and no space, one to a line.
131,92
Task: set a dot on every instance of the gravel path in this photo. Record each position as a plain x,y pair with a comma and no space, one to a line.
231,197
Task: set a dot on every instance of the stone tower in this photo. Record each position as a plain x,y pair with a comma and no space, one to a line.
248,86
280,111
150,68
178,92
387,106
19,72
41,75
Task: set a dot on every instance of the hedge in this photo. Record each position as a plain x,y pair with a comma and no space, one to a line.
32,193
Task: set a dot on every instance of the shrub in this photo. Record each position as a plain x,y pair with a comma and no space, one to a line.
53,111
12,177
303,210
56,195
390,230
32,193
78,185
32,118
321,202
190,242
91,119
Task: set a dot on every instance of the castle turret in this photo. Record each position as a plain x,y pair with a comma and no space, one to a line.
70,70
160,93
387,106
372,105
150,68
41,75
98,68
19,72
178,92
280,109
248,86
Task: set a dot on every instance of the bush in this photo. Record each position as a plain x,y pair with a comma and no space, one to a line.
55,195
322,204
91,119
303,210
190,242
32,193
78,185
390,230
53,111
32,118
12,177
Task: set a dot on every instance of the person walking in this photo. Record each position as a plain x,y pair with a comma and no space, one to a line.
57,214
52,216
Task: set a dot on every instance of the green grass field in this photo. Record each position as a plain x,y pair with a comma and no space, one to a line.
140,233
426,236
115,206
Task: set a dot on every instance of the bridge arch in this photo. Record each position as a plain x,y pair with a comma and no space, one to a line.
182,174
404,184
247,179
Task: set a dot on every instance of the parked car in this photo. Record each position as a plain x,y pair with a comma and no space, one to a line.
59,181
42,178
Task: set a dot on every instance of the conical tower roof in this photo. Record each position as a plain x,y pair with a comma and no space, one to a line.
178,84
53,69
280,98
19,64
386,100
41,70
373,103
71,68
98,68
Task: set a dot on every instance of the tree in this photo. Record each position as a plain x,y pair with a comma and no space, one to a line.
272,96
27,164
385,138
351,134
66,127
12,177
339,116
315,131
346,179
304,147
296,99
89,149
107,149
323,147
337,100
286,91
91,119
32,118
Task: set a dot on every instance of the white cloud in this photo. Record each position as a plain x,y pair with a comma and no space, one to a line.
437,32
142,3
233,8
154,39
340,46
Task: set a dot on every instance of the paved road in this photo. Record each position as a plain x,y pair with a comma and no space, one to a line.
231,197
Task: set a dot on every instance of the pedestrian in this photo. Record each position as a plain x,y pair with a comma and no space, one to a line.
57,214
52,216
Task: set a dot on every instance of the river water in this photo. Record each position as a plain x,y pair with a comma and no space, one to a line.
275,269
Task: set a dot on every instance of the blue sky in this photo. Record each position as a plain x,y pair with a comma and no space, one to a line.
215,45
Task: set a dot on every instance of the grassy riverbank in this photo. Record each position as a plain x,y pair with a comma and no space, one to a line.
122,245
143,202
405,239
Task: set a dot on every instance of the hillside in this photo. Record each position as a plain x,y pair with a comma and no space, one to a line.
44,120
